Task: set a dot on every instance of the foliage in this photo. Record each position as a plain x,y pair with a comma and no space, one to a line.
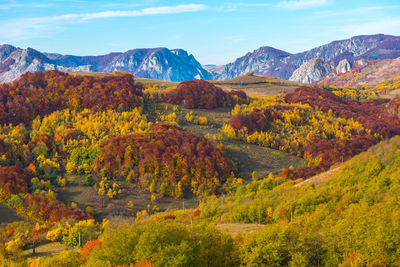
394,106
175,160
351,217
80,233
201,94
314,124
164,244
189,117
44,92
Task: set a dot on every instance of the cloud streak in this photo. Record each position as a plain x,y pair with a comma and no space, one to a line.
25,28
302,4
164,10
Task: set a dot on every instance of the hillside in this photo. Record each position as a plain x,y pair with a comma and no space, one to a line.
358,201
278,223
369,74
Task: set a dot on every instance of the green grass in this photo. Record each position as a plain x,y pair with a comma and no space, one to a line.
146,81
261,85
8,215
235,228
45,250
263,160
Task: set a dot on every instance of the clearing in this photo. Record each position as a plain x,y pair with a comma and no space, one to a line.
235,228
8,215
104,207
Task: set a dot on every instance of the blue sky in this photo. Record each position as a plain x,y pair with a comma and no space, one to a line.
215,32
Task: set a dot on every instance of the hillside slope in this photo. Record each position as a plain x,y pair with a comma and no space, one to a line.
351,217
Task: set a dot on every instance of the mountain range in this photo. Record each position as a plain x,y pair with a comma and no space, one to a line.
156,63
281,64
177,65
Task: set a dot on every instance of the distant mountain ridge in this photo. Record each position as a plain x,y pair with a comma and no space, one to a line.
178,65
156,63
281,64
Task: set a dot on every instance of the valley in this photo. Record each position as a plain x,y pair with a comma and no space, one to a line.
102,167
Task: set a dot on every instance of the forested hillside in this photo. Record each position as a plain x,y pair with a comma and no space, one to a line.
104,170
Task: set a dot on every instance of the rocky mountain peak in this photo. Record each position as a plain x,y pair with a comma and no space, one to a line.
157,63
270,61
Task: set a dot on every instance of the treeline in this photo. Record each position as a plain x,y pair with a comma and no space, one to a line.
44,92
166,160
314,124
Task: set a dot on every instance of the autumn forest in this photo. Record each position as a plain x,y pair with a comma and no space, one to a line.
114,170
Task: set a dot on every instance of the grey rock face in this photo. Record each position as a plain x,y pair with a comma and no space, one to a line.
343,66
156,63
312,71
263,60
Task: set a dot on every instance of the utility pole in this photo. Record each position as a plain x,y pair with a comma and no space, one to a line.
183,203
291,215
79,239
259,216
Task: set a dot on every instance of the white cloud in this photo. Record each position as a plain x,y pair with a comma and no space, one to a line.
302,4
16,5
387,25
133,13
25,28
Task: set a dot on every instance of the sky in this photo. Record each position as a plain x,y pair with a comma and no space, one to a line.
215,32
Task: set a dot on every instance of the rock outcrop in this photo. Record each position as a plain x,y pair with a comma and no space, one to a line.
343,66
312,71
